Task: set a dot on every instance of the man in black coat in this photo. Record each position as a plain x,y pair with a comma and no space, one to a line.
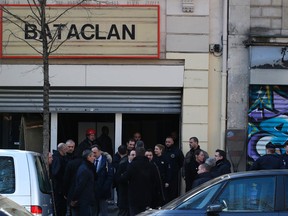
203,176
87,142
141,177
58,167
122,185
83,198
190,174
223,166
175,158
70,181
270,160
284,156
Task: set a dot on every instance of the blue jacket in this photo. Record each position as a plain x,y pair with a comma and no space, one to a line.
103,184
84,184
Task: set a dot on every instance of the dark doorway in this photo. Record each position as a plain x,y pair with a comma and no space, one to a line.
68,124
154,128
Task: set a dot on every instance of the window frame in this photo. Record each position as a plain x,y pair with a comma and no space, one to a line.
230,181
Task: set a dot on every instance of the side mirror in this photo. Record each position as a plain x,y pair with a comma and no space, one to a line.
214,208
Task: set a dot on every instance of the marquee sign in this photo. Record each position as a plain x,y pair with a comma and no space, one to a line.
85,31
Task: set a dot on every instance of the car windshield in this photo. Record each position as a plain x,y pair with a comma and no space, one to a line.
194,192
200,200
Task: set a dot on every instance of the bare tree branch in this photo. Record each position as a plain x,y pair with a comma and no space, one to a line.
65,11
36,16
30,45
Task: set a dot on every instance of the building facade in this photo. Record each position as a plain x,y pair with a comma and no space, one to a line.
158,95
257,74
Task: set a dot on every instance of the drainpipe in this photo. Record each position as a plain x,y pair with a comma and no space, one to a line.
224,74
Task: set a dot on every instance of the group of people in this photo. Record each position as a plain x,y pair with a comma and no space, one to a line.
84,177
149,178
199,167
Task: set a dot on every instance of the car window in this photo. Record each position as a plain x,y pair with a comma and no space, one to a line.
42,175
252,194
200,200
7,175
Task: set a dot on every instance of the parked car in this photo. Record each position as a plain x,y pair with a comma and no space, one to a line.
24,179
9,207
254,193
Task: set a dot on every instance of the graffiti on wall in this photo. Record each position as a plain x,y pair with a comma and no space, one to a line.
267,118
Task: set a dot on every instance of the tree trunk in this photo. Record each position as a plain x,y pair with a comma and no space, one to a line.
46,85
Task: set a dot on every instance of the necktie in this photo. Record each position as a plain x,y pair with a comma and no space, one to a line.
96,164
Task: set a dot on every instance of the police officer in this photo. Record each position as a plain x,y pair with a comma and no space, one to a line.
270,160
285,155
175,158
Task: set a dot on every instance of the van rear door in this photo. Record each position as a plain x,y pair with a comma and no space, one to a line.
24,179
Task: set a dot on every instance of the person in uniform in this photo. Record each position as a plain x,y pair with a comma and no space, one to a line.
270,160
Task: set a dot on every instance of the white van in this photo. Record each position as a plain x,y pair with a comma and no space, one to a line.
24,179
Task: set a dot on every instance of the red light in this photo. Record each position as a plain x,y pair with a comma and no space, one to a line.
36,210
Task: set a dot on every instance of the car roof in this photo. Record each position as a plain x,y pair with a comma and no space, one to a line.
17,151
255,173
236,175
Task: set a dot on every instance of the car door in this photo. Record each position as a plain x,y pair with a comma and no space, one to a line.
284,198
248,196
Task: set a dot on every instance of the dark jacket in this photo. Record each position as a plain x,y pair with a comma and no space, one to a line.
175,158
222,167
70,177
268,161
85,144
84,186
202,178
164,168
116,160
121,185
190,168
141,177
103,184
57,170
285,160
159,198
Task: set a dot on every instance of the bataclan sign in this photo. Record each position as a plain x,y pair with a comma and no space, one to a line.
85,31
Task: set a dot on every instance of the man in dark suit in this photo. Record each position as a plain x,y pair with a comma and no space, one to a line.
142,187
104,181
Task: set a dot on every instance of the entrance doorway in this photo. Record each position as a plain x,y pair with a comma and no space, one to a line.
154,128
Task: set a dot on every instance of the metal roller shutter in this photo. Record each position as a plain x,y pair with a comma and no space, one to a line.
98,100
267,118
